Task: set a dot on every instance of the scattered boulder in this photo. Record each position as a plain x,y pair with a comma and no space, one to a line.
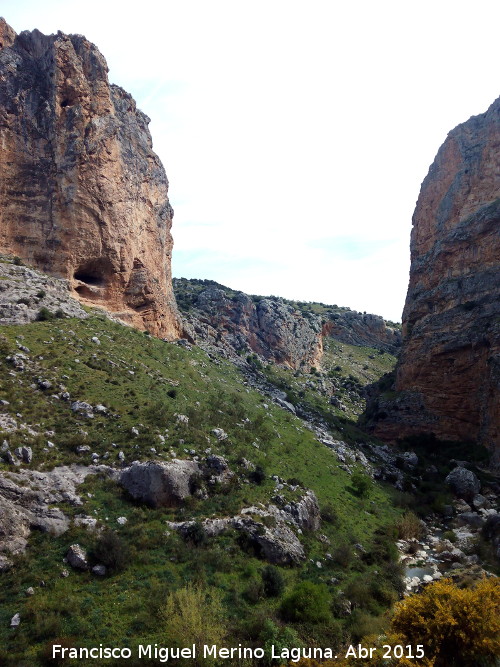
160,484
15,620
77,557
277,544
409,459
220,434
216,469
100,570
463,483
491,531
82,408
471,519
44,384
26,454
10,458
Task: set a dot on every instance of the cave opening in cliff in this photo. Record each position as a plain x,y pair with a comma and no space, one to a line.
92,273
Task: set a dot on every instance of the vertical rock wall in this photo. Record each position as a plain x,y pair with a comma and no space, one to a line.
82,194
448,376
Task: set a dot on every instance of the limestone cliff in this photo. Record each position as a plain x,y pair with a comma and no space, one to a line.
448,377
82,194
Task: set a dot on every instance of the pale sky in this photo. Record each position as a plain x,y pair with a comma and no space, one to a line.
295,135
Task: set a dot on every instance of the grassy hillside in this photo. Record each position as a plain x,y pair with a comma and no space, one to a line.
144,383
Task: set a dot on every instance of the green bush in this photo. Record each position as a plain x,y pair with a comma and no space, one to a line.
111,550
307,603
343,555
258,475
273,581
44,315
329,515
4,345
195,534
361,484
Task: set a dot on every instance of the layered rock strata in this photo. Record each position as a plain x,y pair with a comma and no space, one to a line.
82,194
448,376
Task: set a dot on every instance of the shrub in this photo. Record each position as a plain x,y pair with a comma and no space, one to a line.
343,555
254,591
258,475
409,527
17,261
361,484
450,536
111,550
44,314
329,515
195,534
194,615
4,345
307,603
273,581
456,626
272,635
41,294
25,300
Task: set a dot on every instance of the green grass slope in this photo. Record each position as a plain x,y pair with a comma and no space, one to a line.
143,384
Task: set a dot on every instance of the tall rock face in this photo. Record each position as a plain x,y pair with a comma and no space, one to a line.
82,195
270,328
449,369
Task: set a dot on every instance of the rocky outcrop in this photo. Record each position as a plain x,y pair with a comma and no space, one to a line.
83,196
363,329
27,500
269,328
269,532
273,328
463,483
24,292
448,376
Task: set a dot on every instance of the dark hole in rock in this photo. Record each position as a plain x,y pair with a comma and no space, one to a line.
65,103
91,278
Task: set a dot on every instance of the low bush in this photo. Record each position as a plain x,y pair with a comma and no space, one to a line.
307,603
273,581
409,527
111,550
